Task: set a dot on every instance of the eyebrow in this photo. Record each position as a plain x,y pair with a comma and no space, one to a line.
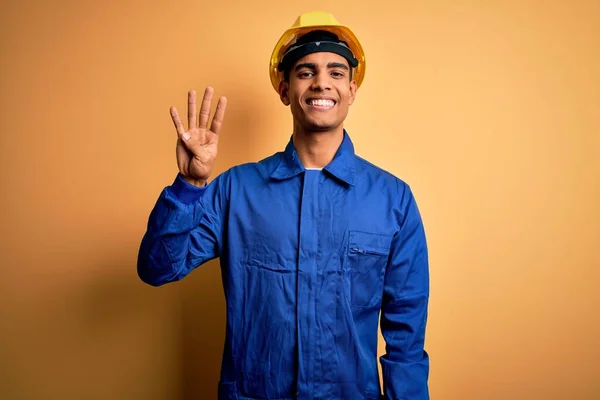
313,66
305,65
332,65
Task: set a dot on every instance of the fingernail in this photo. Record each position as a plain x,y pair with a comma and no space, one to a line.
186,137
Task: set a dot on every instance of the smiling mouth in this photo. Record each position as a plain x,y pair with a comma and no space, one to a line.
320,103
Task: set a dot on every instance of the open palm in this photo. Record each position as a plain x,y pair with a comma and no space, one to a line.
197,147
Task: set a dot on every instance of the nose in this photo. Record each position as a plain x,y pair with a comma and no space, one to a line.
321,81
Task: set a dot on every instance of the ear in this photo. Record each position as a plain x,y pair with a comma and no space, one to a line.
284,89
353,89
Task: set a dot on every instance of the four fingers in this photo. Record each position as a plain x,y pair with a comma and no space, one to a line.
204,113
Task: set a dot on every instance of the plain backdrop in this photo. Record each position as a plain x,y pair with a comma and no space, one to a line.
490,110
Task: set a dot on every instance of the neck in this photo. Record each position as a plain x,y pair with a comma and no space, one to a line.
316,149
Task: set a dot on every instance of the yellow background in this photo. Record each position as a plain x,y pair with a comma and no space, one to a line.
490,110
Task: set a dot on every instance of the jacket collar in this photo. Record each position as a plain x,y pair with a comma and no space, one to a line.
342,166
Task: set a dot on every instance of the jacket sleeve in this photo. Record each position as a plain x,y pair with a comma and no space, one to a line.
405,365
184,231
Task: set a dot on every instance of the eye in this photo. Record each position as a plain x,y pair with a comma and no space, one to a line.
337,74
305,74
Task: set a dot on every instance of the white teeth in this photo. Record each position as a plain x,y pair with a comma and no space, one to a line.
322,103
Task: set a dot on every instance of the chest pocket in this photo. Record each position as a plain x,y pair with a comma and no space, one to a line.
367,257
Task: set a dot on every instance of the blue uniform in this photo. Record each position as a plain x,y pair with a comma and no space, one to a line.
310,260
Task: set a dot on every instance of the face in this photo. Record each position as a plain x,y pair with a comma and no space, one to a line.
319,91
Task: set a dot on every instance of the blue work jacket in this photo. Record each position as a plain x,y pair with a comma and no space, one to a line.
310,260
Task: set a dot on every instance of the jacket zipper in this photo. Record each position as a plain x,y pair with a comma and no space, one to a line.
364,251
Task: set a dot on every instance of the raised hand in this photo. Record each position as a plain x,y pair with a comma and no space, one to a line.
197,147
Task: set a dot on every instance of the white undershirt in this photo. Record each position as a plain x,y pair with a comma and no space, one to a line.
313,169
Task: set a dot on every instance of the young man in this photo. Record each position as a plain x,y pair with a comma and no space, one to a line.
314,242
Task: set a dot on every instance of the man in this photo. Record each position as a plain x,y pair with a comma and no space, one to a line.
314,242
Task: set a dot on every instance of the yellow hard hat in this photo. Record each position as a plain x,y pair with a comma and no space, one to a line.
312,21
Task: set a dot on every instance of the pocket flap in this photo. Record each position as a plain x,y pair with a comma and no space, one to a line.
370,242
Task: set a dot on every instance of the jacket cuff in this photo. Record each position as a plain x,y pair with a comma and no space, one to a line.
184,192
406,380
